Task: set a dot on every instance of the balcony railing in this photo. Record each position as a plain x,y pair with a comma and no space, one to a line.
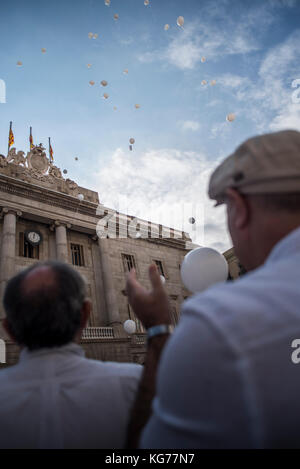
98,333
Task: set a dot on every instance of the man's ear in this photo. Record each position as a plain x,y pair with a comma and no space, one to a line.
7,329
85,313
238,208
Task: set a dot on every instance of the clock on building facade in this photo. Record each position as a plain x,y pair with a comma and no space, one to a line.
33,237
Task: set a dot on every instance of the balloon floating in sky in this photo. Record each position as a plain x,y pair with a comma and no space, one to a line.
146,2
125,71
115,108
65,171
116,16
107,2
166,27
230,117
213,82
203,82
104,83
43,50
203,59
132,142
76,159
202,268
90,35
91,83
95,36
180,21
129,326
80,197
192,220
105,95
89,65
137,106
19,63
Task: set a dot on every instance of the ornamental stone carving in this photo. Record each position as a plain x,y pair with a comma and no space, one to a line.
16,158
37,159
55,172
35,168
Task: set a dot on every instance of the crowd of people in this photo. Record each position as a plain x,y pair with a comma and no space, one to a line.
224,378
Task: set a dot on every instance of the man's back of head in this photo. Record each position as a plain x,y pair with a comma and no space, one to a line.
44,304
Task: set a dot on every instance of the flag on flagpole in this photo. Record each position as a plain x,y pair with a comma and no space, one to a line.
50,152
31,139
11,138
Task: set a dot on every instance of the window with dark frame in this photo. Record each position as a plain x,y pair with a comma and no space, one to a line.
77,255
26,249
128,262
160,267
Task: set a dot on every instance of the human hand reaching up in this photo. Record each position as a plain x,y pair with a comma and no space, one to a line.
152,307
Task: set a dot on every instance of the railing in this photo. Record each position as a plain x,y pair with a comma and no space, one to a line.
98,333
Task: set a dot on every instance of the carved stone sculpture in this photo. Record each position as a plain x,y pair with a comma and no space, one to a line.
16,158
37,159
55,172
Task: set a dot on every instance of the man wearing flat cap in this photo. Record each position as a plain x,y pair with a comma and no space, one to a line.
229,375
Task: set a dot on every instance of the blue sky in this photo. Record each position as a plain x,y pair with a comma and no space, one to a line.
251,51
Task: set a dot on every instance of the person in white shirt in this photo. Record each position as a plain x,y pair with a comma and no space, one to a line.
55,397
229,376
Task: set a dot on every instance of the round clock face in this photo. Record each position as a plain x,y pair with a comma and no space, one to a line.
34,237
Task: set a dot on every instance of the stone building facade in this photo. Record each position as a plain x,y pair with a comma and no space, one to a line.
71,225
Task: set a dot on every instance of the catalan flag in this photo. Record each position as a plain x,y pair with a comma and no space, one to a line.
31,139
11,138
50,152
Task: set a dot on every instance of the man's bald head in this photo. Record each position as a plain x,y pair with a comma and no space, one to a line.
40,279
43,305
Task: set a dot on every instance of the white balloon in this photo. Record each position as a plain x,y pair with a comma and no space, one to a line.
80,197
166,27
230,117
180,21
129,326
163,280
203,267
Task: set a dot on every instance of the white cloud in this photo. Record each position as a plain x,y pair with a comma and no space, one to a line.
233,81
190,125
164,186
288,118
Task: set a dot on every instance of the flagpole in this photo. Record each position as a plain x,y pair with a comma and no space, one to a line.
49,150
10,127
30,138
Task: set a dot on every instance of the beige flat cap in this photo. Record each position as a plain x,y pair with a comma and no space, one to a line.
266,164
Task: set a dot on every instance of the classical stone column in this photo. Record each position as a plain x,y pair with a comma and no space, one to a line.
109,291
61,241
8,249
100,315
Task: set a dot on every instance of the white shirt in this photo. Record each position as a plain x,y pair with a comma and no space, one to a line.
226,378
56,398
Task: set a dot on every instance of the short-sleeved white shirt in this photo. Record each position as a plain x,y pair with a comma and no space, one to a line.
56,398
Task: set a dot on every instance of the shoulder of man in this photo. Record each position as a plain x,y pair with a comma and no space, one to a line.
257,304
109,368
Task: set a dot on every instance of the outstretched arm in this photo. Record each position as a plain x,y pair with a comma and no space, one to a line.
152,308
